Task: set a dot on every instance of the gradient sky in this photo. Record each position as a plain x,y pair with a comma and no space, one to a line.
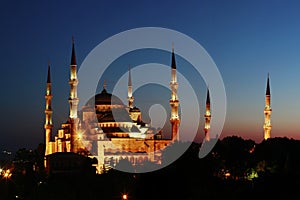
246,39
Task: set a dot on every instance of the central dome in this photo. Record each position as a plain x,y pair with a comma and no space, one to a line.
105,98
109,108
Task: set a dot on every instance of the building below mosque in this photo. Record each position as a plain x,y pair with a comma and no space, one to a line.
105,129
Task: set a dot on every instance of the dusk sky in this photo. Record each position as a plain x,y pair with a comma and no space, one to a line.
246,39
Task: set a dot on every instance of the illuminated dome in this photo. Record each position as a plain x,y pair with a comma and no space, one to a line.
109,108
105,98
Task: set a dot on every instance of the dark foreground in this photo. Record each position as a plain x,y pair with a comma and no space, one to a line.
235,169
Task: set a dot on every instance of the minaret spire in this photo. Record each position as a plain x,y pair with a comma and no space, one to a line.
48,75
73,99
267,112
207,117
129,76
129,96
173,65
174,102
73,58
268,86
48,112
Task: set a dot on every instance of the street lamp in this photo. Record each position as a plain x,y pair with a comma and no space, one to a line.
124,197
7,174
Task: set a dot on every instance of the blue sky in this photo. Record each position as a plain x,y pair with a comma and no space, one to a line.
246,39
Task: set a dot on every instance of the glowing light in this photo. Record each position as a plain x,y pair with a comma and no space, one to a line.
124,196
79,135
7,174
227,174
252,149
252,174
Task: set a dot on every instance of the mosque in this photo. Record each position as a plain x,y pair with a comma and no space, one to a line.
105,129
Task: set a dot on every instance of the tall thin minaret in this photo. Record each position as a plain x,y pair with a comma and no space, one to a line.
174,102
73,99
207,117
130,97
267,112
48,112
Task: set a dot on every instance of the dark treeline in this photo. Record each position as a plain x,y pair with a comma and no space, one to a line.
234,169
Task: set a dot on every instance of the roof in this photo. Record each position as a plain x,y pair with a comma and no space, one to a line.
114,115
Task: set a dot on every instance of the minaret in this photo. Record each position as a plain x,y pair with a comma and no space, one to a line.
174,102
73,99
207,117
130,97
267,112
48,112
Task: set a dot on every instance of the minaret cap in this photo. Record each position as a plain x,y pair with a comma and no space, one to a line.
208,97
173,58
73,58
48,75
268,87
129,77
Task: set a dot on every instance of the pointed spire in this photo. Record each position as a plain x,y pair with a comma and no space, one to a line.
173,65
73,58
129,77
208,97
48,75
268,86
104,85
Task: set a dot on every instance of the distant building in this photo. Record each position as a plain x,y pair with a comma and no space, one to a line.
95,132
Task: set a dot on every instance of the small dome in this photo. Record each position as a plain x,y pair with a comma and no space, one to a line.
134,109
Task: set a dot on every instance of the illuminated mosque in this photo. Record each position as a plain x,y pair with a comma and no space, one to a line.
105,129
